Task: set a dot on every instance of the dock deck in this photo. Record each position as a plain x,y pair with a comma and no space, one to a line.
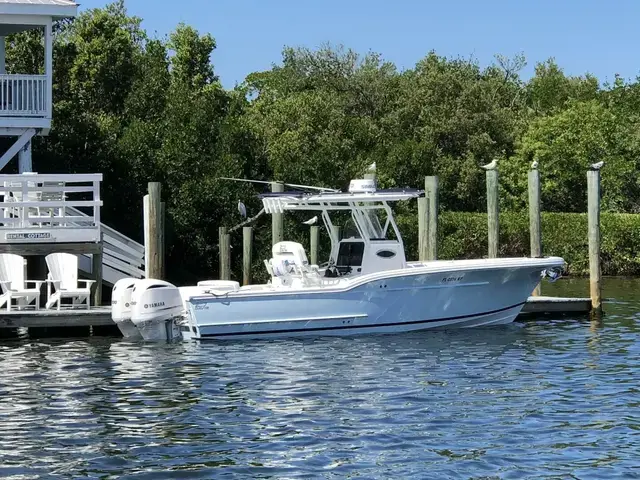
95,317
101,316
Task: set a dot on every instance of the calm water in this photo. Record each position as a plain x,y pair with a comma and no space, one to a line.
550,398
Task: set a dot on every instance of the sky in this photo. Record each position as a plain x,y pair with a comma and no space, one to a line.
587,36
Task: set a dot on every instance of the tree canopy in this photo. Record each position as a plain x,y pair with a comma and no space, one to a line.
142,109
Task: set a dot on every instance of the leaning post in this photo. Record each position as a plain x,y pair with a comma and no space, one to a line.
535,237
593,207
493,222
277,224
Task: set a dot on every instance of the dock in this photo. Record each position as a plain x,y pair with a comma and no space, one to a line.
101,316
94,317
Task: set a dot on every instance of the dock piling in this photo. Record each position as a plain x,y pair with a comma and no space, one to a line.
96,272
247,248
535,238
431,195
224,243
423,223
313,243
493,222
277,224
593,207
153,231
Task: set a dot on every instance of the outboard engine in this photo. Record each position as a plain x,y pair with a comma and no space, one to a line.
121,307
156,309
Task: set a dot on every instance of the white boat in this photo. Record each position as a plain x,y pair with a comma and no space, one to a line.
366,287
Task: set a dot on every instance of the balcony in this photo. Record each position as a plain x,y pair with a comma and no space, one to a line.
24,96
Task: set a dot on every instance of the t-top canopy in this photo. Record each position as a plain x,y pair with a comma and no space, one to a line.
279,201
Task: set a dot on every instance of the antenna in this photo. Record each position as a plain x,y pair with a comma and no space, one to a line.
293,185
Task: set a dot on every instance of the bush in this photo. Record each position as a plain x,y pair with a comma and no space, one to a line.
464,235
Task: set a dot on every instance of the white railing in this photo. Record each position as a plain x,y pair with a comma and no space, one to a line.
46,209
35,208
121,256
24,96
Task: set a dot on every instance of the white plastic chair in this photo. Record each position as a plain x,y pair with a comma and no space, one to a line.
63,275
14,285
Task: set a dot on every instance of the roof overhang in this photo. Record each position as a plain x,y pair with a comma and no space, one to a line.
55,9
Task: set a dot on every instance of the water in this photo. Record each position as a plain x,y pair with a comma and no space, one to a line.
550,398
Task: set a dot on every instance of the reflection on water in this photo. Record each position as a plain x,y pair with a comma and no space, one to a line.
551,398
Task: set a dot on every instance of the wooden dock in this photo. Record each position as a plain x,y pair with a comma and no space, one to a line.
95,317
559,305
101,316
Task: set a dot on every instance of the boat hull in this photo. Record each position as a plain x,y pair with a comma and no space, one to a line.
414,300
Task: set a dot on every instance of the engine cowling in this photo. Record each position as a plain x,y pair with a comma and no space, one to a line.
156,305
121,307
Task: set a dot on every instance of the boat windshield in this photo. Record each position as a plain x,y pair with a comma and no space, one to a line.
368,223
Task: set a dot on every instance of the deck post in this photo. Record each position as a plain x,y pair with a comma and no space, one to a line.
423,225
24,159
593,205
154,233
96,273
277,224
535,238
493,222
247,249
431,195
224,243
314,233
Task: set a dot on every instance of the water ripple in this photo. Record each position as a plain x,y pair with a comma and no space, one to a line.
545,399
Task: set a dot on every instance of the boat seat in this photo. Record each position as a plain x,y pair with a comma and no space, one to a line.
290,266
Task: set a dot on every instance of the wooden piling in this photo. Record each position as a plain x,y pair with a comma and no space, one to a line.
314,239
277,224
431,194
161,241
423,229
247,249
154,235
535,238
224,243
493,222
337,231
96,273
593,208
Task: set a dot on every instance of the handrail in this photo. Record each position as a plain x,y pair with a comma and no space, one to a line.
24,96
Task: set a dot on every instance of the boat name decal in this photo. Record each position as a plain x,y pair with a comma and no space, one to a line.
201,306
452,279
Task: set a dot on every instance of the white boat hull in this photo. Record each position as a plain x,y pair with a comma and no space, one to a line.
440,295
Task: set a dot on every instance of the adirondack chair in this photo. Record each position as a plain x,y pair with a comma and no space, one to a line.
14,286
63,276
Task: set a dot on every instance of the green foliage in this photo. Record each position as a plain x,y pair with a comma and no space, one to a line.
142,109
464,235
